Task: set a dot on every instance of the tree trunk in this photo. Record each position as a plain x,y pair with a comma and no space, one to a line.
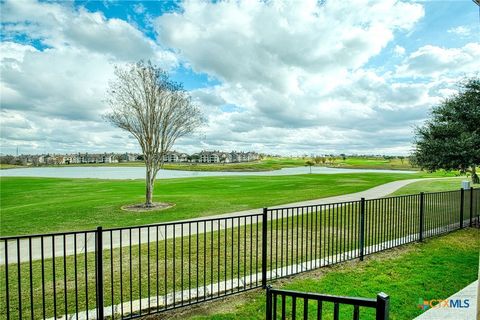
475,178
149,183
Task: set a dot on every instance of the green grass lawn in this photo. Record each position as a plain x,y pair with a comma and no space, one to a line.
374,163
211,257
434,269
38,205
433,186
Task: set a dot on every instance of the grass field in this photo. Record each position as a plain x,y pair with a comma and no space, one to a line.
373,163
434,269
433,186
37,205
197,260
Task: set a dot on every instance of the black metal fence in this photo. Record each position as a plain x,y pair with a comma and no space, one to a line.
136,271
286,304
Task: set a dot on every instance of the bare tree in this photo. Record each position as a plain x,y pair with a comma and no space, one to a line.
154,109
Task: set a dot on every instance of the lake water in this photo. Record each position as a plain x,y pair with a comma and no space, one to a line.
139,172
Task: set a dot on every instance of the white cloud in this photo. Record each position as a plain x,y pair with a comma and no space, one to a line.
460,30
399,50
295,76
138,8
279,43
432,61
58,87
294,68
62,25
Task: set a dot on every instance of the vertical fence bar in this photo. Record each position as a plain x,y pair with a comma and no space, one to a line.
462,206
7,292
383,302
471,206
269,303
99,271
264,248
422,213
362,227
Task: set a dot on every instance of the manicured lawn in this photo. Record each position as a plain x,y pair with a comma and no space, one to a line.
374,163
194,260
434,269
37,205
433,186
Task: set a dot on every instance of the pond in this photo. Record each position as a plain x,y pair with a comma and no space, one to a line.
139,172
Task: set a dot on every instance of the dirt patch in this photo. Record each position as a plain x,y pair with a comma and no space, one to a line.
140,207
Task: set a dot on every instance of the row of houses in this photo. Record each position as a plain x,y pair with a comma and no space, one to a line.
169,157
77,158
211,157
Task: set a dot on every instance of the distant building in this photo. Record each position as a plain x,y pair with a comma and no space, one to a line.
170,157
127,157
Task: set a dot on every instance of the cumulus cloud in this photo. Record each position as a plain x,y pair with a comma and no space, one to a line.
61,24
294,69
60,70
293,77
431,61
278,43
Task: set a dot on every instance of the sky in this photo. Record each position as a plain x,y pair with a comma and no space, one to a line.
276,77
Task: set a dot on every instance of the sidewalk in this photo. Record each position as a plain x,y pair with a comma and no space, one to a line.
460,311
86,242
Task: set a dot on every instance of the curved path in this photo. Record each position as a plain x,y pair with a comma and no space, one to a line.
79,243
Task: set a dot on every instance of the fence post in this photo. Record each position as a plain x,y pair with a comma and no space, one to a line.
99,271
422,215
471,206
462,206
269,303
362,228
264,247
383,302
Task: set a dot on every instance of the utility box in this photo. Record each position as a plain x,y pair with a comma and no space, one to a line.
466,184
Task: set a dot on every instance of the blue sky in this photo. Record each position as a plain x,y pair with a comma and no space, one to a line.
276,77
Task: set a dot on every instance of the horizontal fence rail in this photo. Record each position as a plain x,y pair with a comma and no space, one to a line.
286,304
135,271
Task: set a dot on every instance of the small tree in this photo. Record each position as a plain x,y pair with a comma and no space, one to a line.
154,109
450,140
310,164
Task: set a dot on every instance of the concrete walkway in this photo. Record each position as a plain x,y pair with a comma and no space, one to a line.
73,243
460,311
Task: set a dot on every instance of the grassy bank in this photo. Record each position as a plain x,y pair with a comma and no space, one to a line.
434,269
434,186
373,163
37,205
10,166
